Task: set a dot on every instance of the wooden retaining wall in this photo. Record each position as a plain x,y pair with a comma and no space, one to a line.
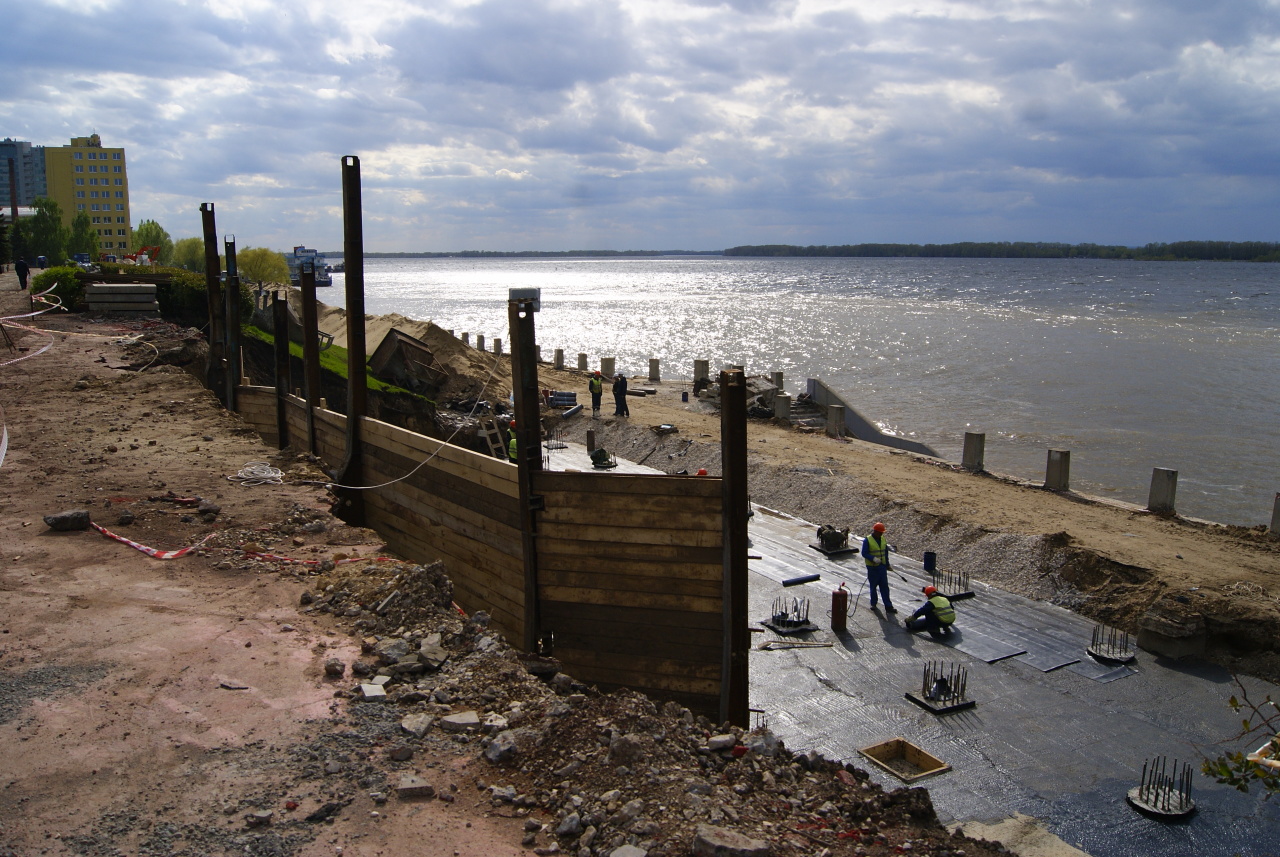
630,581
460,506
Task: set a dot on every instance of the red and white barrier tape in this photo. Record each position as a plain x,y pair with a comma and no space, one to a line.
151,552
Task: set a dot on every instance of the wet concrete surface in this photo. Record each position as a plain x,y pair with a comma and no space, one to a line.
1054,735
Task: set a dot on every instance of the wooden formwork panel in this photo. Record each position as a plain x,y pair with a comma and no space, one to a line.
424,475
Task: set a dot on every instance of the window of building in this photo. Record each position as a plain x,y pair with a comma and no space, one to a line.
79,194
79,168
93,194
121,232
116,168
80,206
119,220
115,156
93,168
119,182
78,155
80,181
119,205
93,156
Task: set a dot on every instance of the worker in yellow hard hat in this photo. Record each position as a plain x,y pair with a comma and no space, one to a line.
875,552
936,615
595,386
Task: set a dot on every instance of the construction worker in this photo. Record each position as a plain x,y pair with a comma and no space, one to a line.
875,551
936,615
512,453
595,386
620,408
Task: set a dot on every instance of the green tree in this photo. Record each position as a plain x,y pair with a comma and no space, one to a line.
152,234
189,253
5,255
45,233
260,265
84,235
1240,769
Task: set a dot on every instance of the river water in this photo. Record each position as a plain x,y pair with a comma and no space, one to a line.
1130,365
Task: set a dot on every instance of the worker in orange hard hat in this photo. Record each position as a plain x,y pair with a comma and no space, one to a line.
595,386
936,615
875,552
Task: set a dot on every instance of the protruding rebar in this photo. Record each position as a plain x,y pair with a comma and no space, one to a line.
1164,789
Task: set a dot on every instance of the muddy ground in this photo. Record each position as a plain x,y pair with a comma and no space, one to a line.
223,702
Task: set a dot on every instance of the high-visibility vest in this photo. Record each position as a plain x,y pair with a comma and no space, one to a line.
879,550
511,448
942,609
595,385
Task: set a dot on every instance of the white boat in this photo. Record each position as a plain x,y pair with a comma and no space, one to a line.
305,256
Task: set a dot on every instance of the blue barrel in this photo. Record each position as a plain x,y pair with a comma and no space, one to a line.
684,397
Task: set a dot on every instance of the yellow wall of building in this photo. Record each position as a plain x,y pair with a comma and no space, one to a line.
85,176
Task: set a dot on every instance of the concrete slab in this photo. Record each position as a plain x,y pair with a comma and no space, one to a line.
1062,746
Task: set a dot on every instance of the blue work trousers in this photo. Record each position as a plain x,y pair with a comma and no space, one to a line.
878,579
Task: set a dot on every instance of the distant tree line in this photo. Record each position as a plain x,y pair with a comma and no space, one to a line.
1236,251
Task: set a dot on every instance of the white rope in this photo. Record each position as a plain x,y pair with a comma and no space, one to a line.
258,473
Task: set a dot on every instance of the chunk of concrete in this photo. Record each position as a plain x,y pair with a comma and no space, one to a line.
74,519
709,841
413,786
460,722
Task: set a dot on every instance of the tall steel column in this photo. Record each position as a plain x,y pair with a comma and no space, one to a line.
216,375
734,697
352,472
524,383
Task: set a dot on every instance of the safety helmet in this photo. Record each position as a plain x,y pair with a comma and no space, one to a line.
513,423
597,371
930,590
878,528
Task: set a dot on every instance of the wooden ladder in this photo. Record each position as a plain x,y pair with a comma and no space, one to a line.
493,436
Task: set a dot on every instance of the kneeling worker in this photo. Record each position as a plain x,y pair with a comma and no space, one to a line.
936,615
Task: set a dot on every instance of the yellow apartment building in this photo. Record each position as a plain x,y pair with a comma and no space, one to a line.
86,176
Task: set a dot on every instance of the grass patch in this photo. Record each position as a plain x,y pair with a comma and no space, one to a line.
332,359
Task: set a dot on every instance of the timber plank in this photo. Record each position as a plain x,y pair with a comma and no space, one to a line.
654,600
588,501
458,490
659,642
567,613
611,635
433,532
632,535
548,481
639,673
661,569
505,484
611,551
500,539
413,444
633,518
630,584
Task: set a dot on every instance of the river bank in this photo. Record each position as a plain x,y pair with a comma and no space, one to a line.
1107,560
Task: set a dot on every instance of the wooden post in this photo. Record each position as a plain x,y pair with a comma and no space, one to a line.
232,297
1164,490
524,383
280,325
973,457
310,353
591,440
1057,473
351,472
835,420
215,378
733,465
559,362
1275,517
654,374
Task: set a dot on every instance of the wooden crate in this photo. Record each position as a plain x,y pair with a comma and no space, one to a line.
904,760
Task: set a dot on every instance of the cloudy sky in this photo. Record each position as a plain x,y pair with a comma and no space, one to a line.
663,124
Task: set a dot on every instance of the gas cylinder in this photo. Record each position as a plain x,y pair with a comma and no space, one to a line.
839,609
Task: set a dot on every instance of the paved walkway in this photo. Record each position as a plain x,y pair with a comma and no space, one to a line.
1054,735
